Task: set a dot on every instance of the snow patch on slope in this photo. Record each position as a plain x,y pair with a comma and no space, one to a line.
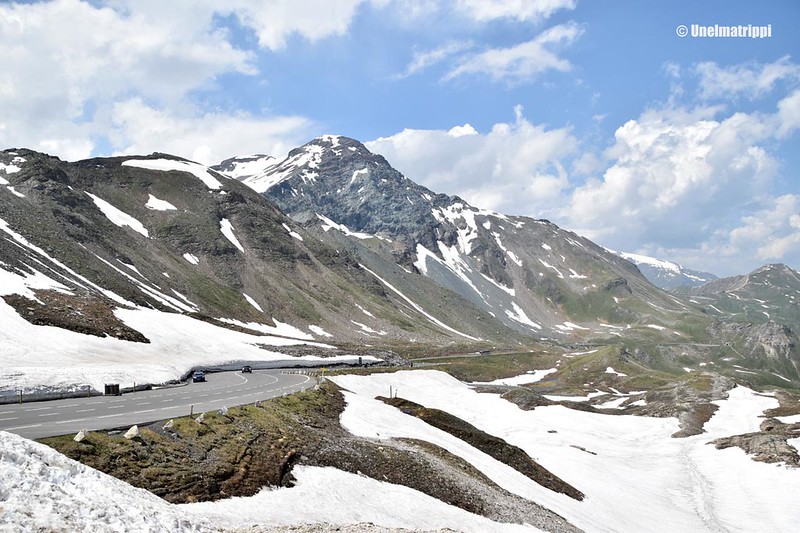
532,376
191,258
518,315
166,165
291,232
226,228
319,331
178,343
325,495
159,205
328,224
118,217
418,308
246,166
252,302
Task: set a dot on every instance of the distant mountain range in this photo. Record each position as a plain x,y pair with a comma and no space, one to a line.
329,245
769,293
666,274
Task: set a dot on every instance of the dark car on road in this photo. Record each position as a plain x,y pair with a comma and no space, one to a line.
199,376
247,370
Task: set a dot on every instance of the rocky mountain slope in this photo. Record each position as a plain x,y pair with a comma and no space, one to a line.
529,274
666,274
159,253
329,246
771,292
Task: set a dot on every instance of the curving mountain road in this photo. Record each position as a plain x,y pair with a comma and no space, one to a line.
223,389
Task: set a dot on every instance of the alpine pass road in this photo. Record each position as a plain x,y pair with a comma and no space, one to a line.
222,389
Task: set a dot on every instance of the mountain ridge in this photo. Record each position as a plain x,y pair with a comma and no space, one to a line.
666,274
335,182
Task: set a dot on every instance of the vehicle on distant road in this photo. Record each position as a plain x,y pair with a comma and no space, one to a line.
247,370
198,376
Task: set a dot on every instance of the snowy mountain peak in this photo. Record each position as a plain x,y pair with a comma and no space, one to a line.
518,270
243,167
666,274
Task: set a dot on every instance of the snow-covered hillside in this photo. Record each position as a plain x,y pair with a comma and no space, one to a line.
666,274
42,490
177,343
635,477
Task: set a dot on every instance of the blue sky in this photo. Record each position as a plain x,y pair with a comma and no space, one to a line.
594,114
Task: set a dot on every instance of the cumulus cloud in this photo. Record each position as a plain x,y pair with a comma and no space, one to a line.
207,138
677,180
514,168
276,20
60,73
523,61
68,88
750,80
774,231
673,175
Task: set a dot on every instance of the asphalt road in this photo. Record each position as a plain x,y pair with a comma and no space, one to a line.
222,389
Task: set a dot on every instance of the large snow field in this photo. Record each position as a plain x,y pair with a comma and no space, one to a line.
42,490
45,358
50,358
639,480
329,495
635,476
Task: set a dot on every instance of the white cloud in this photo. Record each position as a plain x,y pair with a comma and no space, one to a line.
423,60
75,68
774,231
789,115
275,21
514,168
203,137
673,176
67,61
751,80
523,61
522,10
676,180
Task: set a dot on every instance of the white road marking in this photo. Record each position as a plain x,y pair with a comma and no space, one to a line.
70,421
24,427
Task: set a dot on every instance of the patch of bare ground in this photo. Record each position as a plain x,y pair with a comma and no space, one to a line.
245,449
365,527
85,313
768,445
491,445
689,401
788,404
